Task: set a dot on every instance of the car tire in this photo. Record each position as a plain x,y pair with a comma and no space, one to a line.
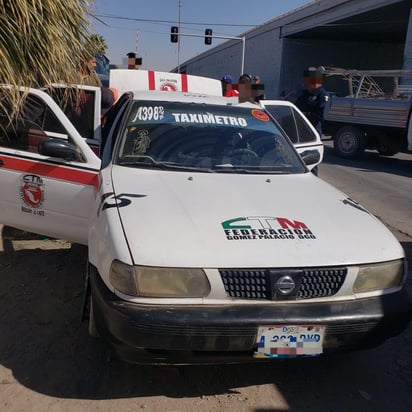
349,142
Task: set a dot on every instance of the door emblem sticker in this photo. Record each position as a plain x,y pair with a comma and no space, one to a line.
32,194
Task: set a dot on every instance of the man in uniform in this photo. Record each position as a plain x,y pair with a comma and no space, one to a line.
314,97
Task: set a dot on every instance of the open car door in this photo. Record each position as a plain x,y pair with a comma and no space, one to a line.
48,173
300,131
82,109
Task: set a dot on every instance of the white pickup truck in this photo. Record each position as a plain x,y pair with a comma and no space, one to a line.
209,238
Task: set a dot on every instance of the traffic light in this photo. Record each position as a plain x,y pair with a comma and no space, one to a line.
208,36
174,34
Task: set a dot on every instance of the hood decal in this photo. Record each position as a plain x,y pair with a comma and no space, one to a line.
264,228
109,200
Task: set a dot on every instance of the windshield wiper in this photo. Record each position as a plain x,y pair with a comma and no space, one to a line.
228,168
166,166
178,166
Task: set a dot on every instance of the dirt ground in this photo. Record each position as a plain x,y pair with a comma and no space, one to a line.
49,363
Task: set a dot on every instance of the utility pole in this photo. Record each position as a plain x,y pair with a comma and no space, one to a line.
178,40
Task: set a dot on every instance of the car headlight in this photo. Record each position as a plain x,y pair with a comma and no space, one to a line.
379,276
159,282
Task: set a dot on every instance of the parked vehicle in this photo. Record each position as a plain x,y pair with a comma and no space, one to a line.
375,113
209,239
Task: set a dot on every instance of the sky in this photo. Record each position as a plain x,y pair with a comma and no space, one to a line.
143,26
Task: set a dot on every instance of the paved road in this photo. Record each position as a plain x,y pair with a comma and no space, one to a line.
381,184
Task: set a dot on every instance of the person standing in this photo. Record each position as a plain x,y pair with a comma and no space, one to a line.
88,74
245,88
258,89
256,79
314,97
227,86
81,106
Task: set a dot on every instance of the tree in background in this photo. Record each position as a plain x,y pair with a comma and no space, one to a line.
97,44
41,42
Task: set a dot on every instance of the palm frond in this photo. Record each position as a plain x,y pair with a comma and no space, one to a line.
41,42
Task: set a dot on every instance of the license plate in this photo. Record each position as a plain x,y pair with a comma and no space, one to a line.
285,341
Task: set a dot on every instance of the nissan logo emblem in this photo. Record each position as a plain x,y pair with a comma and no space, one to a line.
285,285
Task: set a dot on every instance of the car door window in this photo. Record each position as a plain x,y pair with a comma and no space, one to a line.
293,124
34,123
78,106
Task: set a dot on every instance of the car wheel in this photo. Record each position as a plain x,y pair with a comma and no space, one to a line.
349,142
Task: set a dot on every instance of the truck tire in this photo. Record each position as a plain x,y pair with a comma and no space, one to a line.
388,145
349,142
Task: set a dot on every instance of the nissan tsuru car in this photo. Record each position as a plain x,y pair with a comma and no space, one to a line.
209,238
212,241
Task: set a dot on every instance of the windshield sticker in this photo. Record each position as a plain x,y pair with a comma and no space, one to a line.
260,115
142,141
32,194
209,118
149,113
199,115
265,228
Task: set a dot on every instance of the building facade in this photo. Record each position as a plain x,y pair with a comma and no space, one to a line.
350,34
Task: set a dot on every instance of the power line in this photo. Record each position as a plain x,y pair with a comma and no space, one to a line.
107,16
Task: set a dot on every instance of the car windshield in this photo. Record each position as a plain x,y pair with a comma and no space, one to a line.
204,138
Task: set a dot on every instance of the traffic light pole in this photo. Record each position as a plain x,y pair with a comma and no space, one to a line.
222,37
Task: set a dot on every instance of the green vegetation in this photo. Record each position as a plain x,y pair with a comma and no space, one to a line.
42,41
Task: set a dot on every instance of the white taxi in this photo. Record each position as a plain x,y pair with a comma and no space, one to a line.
209,238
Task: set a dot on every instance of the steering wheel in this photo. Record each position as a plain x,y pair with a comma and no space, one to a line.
244,152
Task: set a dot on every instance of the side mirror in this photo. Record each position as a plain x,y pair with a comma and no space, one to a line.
60,149
310,157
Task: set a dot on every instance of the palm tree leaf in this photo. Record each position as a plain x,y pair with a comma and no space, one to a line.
41,42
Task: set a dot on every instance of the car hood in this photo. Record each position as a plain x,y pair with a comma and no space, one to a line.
212,220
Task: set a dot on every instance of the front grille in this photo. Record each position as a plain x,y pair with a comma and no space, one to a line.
261,284
246,284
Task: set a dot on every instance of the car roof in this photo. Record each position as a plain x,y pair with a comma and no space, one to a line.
186,97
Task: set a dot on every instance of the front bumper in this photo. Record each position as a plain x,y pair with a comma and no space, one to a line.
227,334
